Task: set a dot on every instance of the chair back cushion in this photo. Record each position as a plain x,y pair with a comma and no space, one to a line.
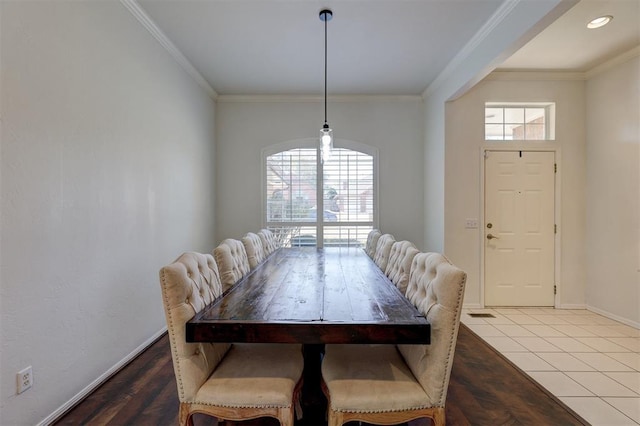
399,265
436,288
372,242
253,246
189,284
232,261
269,241
383,250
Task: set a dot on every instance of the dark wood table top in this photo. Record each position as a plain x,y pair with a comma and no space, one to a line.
311,295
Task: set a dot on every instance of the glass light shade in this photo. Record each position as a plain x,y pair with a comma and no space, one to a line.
326,142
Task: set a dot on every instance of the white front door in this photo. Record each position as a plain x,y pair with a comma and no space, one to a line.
519,228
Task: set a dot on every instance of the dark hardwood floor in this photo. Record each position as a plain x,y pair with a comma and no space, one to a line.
485,389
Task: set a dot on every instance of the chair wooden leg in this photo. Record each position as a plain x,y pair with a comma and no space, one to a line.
184,415
335,418
439,417
285,416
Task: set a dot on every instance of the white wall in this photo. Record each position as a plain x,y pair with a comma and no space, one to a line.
392,125
510,28
464,143
106,175
434,211
613,191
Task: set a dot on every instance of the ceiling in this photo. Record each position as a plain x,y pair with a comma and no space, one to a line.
375,47
568,45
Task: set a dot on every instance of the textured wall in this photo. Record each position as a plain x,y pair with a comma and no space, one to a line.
465,141
106,175
613,191
393,126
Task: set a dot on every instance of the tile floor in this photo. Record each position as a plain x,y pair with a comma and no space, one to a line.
590,362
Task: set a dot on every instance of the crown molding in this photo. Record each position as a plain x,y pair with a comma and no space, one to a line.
514,75
499,15
317,98
141,15
528,75
618,60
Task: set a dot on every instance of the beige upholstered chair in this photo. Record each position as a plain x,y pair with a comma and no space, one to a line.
383,250
372,242
269,241
253,246
229,381
232,261
387,384
399,265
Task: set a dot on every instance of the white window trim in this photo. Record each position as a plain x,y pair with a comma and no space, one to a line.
313,143
550,120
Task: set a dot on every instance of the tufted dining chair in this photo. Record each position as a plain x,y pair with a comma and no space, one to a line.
255,251
233,263
372,242
399,264
383,250
388,384
269,241
228,381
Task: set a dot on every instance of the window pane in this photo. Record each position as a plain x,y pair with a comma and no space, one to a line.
493,115
348,187
493,132
304,236
513,132
520,122
286,235
535,132
514,115
534,115
341,236
291,185
347,202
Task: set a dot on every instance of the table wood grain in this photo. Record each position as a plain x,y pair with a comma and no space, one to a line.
311,295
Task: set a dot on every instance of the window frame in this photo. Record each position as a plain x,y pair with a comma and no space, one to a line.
311,143
549,119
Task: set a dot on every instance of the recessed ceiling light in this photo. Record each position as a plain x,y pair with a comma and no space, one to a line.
599,22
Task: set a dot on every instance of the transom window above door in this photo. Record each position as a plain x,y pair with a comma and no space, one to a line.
308,202
505,121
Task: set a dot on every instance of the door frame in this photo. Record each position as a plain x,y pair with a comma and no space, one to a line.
528,146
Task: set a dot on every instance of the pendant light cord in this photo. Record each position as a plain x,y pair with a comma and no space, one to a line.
325,68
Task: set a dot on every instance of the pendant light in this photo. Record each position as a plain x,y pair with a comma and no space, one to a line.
326,134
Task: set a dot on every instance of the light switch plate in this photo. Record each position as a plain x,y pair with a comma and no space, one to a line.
471,224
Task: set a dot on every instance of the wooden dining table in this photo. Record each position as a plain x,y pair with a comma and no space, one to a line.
313,296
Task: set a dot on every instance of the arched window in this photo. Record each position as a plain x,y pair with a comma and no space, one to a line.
298,185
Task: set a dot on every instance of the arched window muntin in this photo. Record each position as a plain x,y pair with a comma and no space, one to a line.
295,191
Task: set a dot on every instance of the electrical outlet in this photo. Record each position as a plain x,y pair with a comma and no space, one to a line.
471,224
24,379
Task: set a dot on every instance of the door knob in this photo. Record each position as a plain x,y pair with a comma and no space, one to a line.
491,237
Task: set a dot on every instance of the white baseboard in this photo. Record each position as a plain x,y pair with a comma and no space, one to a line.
100,380
472,306
614,317
572,306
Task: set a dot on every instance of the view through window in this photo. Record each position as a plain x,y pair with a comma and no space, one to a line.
518,121
299,185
